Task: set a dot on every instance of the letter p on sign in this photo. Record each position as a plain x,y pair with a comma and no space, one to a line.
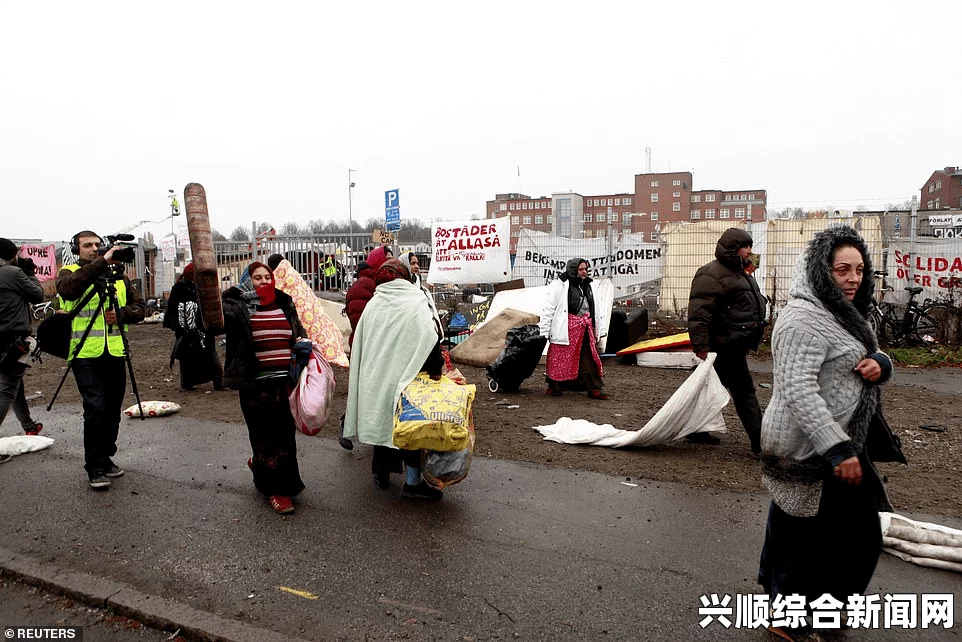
391,199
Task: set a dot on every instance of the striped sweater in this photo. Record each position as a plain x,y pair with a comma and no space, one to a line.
272,340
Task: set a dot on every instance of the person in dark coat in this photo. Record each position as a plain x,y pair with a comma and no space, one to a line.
260,344
726,315
193,348
363,288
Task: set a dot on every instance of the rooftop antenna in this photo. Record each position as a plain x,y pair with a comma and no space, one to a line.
648,160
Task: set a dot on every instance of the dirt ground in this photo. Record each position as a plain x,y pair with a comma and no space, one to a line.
929,484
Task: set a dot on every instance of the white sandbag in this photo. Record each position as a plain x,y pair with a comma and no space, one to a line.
695,407
685,360
19,444
922,543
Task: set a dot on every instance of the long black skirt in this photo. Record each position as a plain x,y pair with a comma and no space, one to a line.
271,429
834,552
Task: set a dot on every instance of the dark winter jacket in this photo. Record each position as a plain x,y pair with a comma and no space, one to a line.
241,366
726,310
363,288
17,292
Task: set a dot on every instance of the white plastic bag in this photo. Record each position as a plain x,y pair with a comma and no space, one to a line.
311,399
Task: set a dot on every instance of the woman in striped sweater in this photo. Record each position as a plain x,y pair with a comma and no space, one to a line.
259,346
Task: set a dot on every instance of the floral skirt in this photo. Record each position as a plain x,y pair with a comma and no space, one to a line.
564,362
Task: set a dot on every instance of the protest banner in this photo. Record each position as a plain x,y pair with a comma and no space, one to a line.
935,266
44,257
470,252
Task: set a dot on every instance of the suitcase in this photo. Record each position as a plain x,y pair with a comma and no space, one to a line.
522,351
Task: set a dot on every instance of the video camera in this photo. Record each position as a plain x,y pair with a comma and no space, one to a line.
126,245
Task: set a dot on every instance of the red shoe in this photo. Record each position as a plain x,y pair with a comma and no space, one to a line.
37,427
551,392
250,463
282,504
597,394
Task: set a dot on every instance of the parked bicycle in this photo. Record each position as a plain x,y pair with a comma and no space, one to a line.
917,325
43,310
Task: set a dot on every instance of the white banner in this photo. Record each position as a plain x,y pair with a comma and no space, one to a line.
168,248
471,252
937,266
540,257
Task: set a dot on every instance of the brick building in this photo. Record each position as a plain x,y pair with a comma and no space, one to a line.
657,199
943,190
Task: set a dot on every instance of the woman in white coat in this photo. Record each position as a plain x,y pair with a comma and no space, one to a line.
570,322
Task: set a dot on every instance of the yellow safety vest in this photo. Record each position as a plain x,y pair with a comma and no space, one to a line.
98,337
329,268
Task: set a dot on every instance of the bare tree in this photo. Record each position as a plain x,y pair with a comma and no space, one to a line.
217,236
290,229
240,233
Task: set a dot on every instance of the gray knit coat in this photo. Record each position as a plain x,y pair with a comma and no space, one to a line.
818,400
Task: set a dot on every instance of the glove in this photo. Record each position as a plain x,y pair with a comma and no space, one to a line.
27,265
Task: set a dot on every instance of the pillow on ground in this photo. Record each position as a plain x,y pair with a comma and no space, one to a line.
153,409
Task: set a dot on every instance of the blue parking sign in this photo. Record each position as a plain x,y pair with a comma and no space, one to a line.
391,199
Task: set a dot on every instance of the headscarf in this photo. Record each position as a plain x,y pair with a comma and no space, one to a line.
390,270
246,285
405,258
266,294
579,289
377,257
571,270
188,273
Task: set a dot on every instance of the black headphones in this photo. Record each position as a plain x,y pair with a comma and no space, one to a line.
75,240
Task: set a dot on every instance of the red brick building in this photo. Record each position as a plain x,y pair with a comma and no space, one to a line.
657,199
943,190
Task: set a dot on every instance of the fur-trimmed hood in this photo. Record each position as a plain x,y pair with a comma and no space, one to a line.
812,281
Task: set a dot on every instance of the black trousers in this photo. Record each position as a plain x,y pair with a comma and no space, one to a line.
271,429
732,369
834,552
102,383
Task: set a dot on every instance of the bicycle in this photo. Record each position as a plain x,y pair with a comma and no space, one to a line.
919,324
43,310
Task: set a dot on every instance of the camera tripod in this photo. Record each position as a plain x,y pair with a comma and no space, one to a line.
107,290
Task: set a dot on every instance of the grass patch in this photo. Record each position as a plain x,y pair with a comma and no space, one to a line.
937,356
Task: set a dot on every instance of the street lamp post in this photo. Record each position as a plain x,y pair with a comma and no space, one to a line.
350,212
174,211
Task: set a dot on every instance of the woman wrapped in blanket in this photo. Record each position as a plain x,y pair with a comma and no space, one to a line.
823,533
571,323
396,337
262,328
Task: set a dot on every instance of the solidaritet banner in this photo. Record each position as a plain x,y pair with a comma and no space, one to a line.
470,252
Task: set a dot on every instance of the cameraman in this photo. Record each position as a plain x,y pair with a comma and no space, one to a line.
19,288
99,367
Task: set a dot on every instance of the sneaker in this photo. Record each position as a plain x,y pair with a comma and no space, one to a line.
37,427
113,470
346,443
703,438
422,491
99,481
282,504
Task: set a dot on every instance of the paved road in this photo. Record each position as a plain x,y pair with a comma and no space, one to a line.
516,551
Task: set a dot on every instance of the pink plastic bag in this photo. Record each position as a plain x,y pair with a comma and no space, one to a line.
311,398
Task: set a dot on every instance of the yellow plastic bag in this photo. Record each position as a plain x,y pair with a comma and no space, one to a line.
433,415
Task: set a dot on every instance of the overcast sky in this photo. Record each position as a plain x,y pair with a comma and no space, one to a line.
107,105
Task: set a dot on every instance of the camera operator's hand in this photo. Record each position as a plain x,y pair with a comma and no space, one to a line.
27,265
109,255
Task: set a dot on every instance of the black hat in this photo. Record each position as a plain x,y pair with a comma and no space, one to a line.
8,249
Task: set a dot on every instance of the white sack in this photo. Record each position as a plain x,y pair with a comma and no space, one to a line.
19,444
695,407
922,543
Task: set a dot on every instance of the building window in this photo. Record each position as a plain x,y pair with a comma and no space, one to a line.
511,207
536,206
751,197
739,212
538,219
609,202
724,213
587,217
627,201
526,220
626,230
654,198
709,213
676,207
626,217
504,207
613,217
709,198
938,204
617,201
676,183
695,214
695,198
938,184
654,216
549,219
928,205
515,220
654,183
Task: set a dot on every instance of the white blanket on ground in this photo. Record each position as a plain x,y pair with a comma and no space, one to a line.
695,407
922,543
19,444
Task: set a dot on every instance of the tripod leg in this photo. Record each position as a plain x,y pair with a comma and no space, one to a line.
76,351
130,364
